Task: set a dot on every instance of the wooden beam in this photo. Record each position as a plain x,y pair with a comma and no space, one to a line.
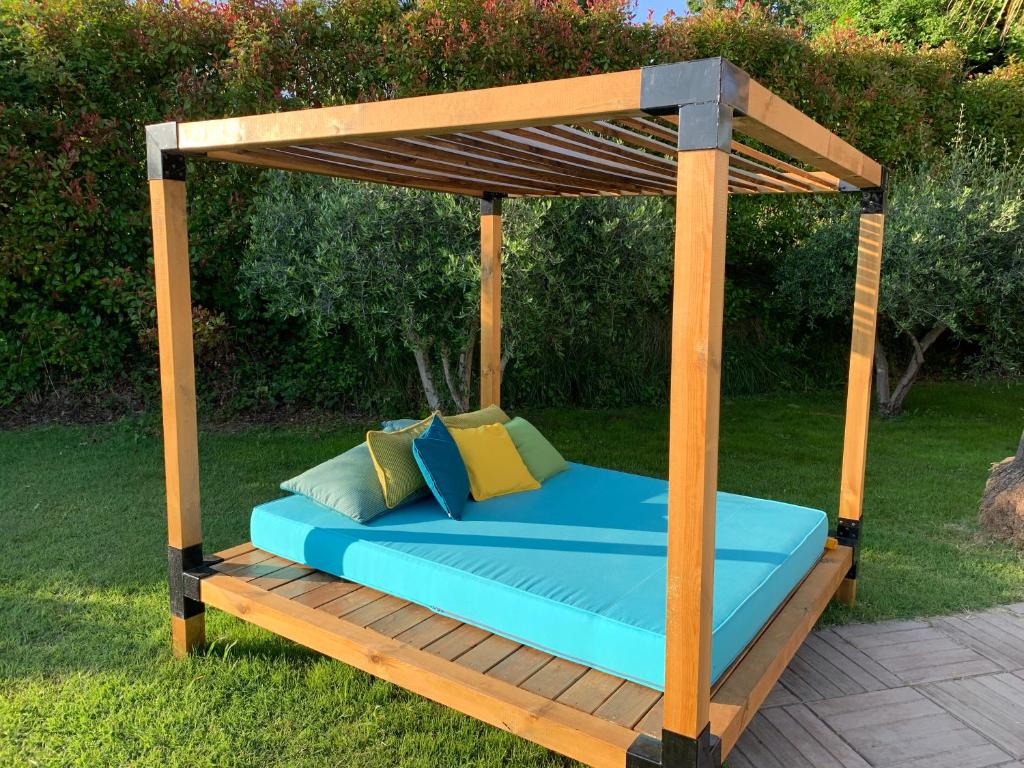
827,182
742,692
777,123
862,353
490,303
592,740
285,162
697,303
177,382
595,97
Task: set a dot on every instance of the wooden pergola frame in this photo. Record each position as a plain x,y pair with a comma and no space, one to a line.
662,130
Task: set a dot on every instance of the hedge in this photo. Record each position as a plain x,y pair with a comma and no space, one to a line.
80,78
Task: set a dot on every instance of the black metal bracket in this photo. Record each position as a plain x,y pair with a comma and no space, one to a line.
163,160
848,534
185,569
490,204
704,94
873,200
675,751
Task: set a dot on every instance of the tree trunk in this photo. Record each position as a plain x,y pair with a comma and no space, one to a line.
882,391
459,395
891,403
419,351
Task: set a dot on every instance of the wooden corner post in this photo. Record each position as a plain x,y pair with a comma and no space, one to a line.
706,93
858,398
490,301
166,171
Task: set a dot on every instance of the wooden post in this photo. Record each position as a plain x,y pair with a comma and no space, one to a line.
858,398
178,388
701,205
490,301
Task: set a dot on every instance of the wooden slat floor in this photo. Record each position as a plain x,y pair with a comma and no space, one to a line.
940,693
588,690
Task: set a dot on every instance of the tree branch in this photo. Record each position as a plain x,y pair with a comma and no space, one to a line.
882,392
423,365
910,375
459,396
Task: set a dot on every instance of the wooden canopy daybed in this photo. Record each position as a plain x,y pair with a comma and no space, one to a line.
661,130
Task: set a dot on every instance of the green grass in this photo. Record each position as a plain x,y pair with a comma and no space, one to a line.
86,678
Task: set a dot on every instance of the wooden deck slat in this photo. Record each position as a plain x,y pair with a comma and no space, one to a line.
401,620
376,610
520,665
628,705
325,593
234,564
351,601
283,576
429,630
554,678
486,654
652,722
457,642
590,691
304,584
263,568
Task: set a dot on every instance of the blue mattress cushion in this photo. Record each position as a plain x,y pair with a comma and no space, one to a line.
576,568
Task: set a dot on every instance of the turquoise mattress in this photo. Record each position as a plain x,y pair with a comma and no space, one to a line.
576,569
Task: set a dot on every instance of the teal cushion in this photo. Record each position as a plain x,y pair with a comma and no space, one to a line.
347,484
539,456
394,425
439,460
576,569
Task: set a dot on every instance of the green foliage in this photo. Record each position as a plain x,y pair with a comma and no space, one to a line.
400,268
915,23
954,260
79,80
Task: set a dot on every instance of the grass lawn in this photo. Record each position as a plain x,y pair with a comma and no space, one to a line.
86,677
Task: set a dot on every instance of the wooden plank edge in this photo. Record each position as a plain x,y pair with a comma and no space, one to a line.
577,735
591,97
741,694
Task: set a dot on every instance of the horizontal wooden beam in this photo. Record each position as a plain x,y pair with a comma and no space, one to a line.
777,123
744,690
592,740
594,97
285,162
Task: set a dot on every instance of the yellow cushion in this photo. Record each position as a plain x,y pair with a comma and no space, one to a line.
492,461
399,475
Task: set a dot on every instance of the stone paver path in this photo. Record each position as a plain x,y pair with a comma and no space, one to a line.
941,693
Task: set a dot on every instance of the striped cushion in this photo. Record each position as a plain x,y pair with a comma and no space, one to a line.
346,483
399,475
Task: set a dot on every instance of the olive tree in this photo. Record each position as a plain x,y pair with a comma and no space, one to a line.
953,265
401,266
390,264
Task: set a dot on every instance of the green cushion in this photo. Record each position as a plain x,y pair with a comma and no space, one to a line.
347,483
538,454
492,414
399,476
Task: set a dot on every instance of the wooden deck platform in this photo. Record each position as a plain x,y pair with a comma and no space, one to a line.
941,693
581,712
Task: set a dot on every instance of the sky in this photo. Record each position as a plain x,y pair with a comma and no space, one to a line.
660,7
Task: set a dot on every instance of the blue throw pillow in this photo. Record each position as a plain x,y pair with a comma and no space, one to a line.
441,463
